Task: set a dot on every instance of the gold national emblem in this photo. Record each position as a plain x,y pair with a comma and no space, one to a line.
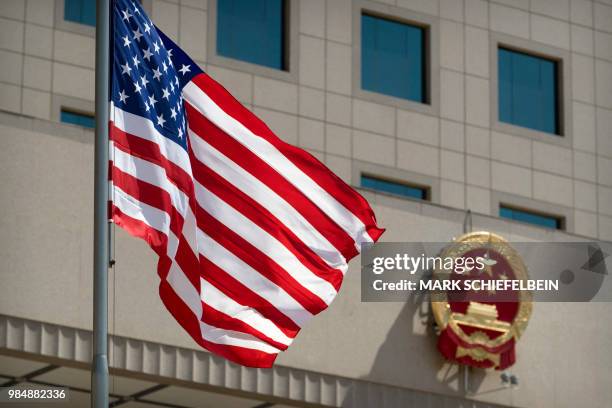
481,329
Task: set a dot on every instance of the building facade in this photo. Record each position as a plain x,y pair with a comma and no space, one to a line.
506,111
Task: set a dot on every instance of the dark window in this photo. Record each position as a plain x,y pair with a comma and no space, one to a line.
252,31
80,119
80,11
393,58
401,189
531,217
528,91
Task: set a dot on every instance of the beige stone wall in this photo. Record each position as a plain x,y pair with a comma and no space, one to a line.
46,179
47,63
46,251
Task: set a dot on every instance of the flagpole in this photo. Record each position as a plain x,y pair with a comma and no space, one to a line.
99,373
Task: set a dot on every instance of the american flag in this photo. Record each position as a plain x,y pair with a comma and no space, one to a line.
253,235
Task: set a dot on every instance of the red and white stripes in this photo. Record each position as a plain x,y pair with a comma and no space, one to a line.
253,234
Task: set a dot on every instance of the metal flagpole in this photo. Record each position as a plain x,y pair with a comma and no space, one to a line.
99,373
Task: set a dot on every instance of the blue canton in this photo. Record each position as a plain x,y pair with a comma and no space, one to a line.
149,71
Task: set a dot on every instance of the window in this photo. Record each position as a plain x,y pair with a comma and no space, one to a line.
400,189
531,217
79,119
393,58
528,91
252,31
80,11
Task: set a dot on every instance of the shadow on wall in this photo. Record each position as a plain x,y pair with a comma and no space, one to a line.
410,350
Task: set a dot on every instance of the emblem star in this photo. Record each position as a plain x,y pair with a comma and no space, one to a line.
185,69
126,14
125,69
123,96
166,94
137,34
156,46
126,41
136,61
161,120
157,74
143,80
173,113
152,101
147,28
147,54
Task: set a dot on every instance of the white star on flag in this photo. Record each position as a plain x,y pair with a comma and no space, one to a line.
123,96
126,69
184,69
166,94
126,14
157,73
137,34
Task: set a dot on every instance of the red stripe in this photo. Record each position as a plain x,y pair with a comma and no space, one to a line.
347,196
246,297
149,194
175,305
149,151
219,319
156,240
251,163
258,260
189,322
267,221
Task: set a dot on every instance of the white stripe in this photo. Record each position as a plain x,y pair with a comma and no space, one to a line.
268,153
156,175
267,198
144,128
249,277
132,207
234,338
218,300
265,242
190,296
151,216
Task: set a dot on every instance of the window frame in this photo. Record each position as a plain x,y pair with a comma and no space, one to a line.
425,189
564,214
395,175
75,105
290,44
559,220
81,113
564,104
430,26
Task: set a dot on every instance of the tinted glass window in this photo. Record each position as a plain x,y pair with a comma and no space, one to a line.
78,119
80,11
541,220
528,91
251,31
393,187
392,58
